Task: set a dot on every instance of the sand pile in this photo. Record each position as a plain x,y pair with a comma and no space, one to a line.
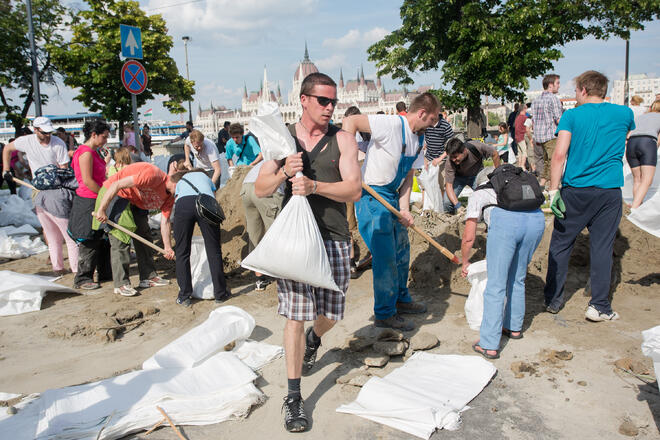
234,234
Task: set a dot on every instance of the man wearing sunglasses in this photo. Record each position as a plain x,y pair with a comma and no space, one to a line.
388,168
327,158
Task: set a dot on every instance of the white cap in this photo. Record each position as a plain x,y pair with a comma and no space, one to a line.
43,124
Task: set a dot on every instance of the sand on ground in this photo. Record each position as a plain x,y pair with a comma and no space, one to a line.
559,381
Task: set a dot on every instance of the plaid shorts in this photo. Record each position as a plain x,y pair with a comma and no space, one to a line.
302,302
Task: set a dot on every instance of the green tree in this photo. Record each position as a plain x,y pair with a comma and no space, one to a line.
493,119
48,17
91,62
491,47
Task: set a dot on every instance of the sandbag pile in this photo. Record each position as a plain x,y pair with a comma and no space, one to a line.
193,379
21,293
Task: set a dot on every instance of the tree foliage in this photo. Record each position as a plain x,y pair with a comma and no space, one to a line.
91,62
491,47
48,17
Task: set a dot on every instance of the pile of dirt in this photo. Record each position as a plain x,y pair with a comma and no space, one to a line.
234,233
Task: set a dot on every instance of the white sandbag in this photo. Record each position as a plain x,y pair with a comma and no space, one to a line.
427,393
293,248
432,194
17,211
257,354
161,161
20,293
199,270
474,304
651,348
415,197
20,246
647,215
275,139
20,230
224,325
154,221
627,189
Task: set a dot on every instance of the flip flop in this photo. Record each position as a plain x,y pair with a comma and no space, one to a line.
482,351
510,334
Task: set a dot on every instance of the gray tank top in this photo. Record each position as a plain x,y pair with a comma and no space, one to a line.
322,164
647,124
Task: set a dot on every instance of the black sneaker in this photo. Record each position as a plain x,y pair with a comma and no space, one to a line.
310,353
396,322
261,284
184,302
295,419
354,270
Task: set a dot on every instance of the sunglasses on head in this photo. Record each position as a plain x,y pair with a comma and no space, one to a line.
323,101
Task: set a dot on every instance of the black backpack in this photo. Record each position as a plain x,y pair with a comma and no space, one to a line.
516,189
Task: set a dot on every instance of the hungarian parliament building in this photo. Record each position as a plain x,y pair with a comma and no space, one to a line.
368,95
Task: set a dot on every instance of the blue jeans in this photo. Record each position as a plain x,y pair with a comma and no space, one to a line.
460,182
512,239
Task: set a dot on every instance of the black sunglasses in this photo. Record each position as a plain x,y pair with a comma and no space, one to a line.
323,101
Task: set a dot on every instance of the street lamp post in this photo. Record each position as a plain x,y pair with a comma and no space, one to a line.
33,57
186,39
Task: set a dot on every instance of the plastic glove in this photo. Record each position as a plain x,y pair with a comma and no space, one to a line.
557,204
8,176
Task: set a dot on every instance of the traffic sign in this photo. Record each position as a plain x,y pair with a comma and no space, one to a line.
131,41
134,77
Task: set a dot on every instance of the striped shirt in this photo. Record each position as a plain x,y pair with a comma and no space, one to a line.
546,111
436,138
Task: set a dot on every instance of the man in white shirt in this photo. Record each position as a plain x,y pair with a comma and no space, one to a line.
392,156
41,148
206,155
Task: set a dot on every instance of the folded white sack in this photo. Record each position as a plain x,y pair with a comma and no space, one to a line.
21,293
427,393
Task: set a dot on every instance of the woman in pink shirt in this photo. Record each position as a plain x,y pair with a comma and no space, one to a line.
89,167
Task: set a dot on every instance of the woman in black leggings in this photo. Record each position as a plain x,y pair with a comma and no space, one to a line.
642,152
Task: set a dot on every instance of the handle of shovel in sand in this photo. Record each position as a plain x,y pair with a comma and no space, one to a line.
21,182
435,244
134,235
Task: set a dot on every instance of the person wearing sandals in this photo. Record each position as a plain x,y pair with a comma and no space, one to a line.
185,218
89,168
513,236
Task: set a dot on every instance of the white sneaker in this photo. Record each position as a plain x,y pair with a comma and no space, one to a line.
153,282
126,290
594,315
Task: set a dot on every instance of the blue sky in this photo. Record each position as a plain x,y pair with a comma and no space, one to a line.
231,41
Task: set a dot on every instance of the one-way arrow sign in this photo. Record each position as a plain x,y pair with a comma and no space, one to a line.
131,41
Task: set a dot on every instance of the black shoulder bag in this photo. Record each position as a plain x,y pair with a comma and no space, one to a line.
207,206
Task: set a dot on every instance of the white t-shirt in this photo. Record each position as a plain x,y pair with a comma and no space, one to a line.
204,158
528,123
38,155
384,151
476,203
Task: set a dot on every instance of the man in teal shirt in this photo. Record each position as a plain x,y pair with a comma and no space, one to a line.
245,147
591,141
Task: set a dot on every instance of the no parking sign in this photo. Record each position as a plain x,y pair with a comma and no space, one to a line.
134,77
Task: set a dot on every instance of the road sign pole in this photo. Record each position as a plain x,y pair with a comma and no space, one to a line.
136,124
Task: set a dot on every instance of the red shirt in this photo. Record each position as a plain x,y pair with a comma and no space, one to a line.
149,191
520,127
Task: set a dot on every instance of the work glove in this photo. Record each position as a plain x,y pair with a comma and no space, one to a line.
557,204
9,178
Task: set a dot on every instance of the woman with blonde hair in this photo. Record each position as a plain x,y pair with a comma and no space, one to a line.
636,102
642,152
122,158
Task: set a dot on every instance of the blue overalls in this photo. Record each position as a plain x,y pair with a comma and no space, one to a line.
387,239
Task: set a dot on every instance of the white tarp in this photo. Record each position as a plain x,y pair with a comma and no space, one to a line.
20,246
474,304
627,189
20,293
199,269
651,348
20,230
427,393
204,386
647,216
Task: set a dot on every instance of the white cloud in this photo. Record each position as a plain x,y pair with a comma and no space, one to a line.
330,63
228,21
218,94
355,38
